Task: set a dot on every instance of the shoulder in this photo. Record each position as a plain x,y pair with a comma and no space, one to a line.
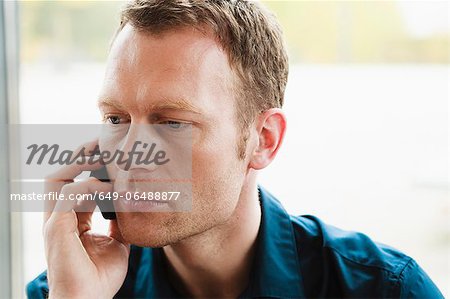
350,245
38,287
354,264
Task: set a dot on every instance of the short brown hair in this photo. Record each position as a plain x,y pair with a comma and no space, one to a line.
248,33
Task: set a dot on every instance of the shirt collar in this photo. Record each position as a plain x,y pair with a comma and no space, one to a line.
276,269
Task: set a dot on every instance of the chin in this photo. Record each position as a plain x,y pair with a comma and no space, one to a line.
142,241
150,229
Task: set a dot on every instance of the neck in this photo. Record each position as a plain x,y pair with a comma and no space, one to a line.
217,262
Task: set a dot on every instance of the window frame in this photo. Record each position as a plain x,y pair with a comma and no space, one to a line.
5,232
11,266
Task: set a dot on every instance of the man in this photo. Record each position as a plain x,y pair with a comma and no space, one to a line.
221,67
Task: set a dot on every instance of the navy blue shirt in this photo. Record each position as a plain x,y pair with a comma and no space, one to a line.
296,257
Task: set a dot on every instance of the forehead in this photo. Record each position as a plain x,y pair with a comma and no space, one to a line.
182,62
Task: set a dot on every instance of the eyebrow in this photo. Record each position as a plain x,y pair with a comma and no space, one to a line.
111,103
164,104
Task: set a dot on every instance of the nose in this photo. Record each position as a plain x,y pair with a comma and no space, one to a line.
140,149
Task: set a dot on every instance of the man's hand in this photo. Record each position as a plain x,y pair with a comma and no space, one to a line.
81,264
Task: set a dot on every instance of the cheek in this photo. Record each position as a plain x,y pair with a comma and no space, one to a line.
217,174
111,138
215,153
216,145
109,141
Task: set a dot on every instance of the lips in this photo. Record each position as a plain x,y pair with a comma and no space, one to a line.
135,201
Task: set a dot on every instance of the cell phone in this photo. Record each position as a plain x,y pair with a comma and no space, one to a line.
106,205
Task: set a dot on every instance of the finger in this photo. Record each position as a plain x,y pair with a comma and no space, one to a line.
55,186
74,169
84,210
65,175
64,213
55,181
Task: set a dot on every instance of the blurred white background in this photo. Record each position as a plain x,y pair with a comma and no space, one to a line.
367,145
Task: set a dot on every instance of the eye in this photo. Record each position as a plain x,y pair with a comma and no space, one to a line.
115,119
174,125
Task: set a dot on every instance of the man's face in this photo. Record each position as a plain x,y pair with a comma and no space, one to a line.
158,79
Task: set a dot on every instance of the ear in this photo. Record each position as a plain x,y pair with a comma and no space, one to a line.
271,126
